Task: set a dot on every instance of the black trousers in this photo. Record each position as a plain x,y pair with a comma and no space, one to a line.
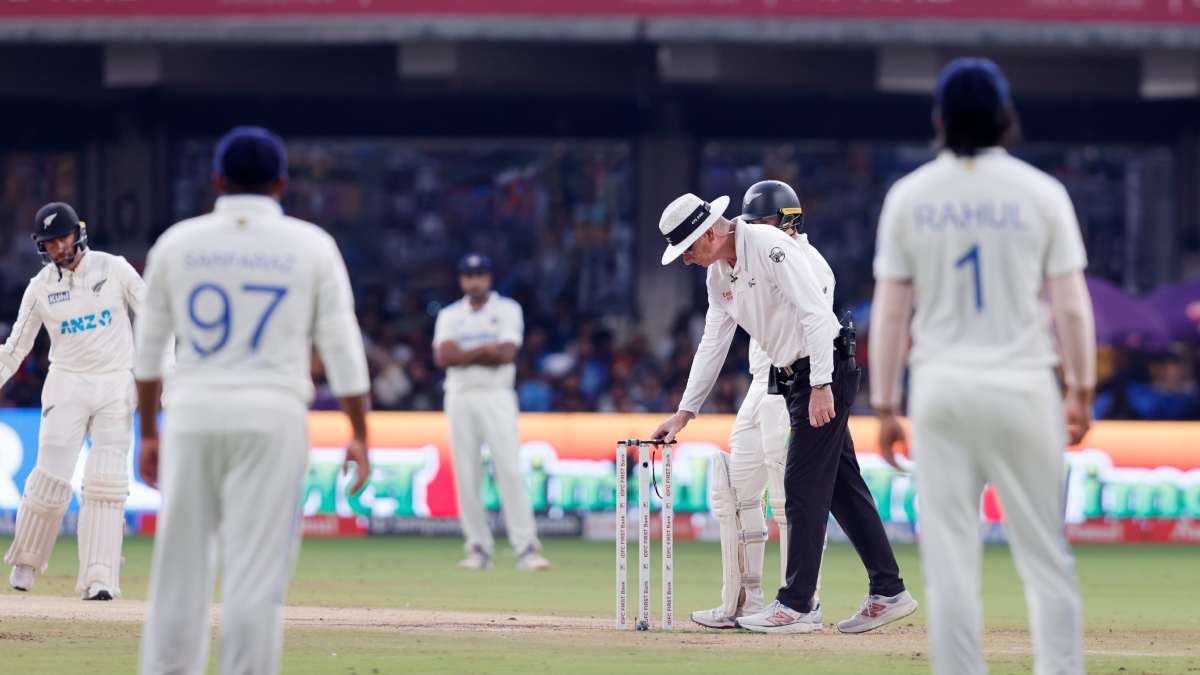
822,477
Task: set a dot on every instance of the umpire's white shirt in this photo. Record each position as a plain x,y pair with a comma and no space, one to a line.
85,313
248,290
978,237
760,361
781,293
499,320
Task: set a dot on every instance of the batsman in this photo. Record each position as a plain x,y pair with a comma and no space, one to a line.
84,300
758,449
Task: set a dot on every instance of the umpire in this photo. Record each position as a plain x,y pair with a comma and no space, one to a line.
779,290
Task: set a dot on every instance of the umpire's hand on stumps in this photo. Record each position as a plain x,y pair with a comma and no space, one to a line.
820,406
356,454
673,425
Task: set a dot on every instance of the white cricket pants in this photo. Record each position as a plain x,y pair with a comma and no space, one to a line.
231,475
758,439
1007,429
489,417
79,405
76,406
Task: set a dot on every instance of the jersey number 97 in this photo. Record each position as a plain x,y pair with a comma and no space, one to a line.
216,325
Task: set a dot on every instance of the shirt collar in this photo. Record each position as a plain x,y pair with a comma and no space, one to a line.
248,204
739,247
993,151
80,269
471,308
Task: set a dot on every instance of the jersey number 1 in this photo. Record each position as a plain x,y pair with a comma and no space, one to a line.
971,257
220,324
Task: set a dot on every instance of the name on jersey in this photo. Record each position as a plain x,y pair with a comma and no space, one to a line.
937,217
229,259
470,340
61,296
86,323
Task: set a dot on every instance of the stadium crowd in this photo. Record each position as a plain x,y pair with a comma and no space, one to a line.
559,224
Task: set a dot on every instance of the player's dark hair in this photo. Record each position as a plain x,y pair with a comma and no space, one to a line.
965,134
265,189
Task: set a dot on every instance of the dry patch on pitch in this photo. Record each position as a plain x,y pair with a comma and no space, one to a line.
904,639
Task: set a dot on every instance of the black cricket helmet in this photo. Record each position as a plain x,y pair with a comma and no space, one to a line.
768,198
56,220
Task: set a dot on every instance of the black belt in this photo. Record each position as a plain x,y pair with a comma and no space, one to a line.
845,346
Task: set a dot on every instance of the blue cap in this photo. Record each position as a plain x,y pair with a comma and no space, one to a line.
476,263
250,156
969,86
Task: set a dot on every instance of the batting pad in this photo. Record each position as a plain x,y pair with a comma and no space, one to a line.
776,494
38,520
101,531
742,548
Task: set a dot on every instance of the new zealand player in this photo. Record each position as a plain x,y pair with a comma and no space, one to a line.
84,299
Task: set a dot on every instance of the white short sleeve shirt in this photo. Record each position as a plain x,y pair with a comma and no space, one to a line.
499,320
977,237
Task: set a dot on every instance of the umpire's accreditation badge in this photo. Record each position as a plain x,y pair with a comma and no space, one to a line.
61,296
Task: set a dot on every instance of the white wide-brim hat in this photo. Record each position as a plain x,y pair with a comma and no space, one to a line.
685,220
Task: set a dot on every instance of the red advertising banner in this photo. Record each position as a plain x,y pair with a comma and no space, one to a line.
1139,11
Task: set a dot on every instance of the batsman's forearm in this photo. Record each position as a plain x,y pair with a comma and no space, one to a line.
355,408
148,392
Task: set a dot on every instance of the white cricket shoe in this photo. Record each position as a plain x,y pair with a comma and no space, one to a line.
879,610
477,559
98,591
532,560
21,577
779,618
714,618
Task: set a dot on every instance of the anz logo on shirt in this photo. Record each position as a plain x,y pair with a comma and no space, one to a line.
86,323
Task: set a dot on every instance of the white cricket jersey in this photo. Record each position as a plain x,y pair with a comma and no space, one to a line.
760,362
978,237
247,291
86,313
500,320
781,293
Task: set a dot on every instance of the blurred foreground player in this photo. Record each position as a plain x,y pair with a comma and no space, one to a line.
476,341
970,240
83,298
248,291
757,446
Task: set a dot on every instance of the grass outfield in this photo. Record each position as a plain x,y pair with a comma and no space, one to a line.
1140,607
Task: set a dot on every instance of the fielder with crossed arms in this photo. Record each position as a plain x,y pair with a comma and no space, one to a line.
248,291
970,240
